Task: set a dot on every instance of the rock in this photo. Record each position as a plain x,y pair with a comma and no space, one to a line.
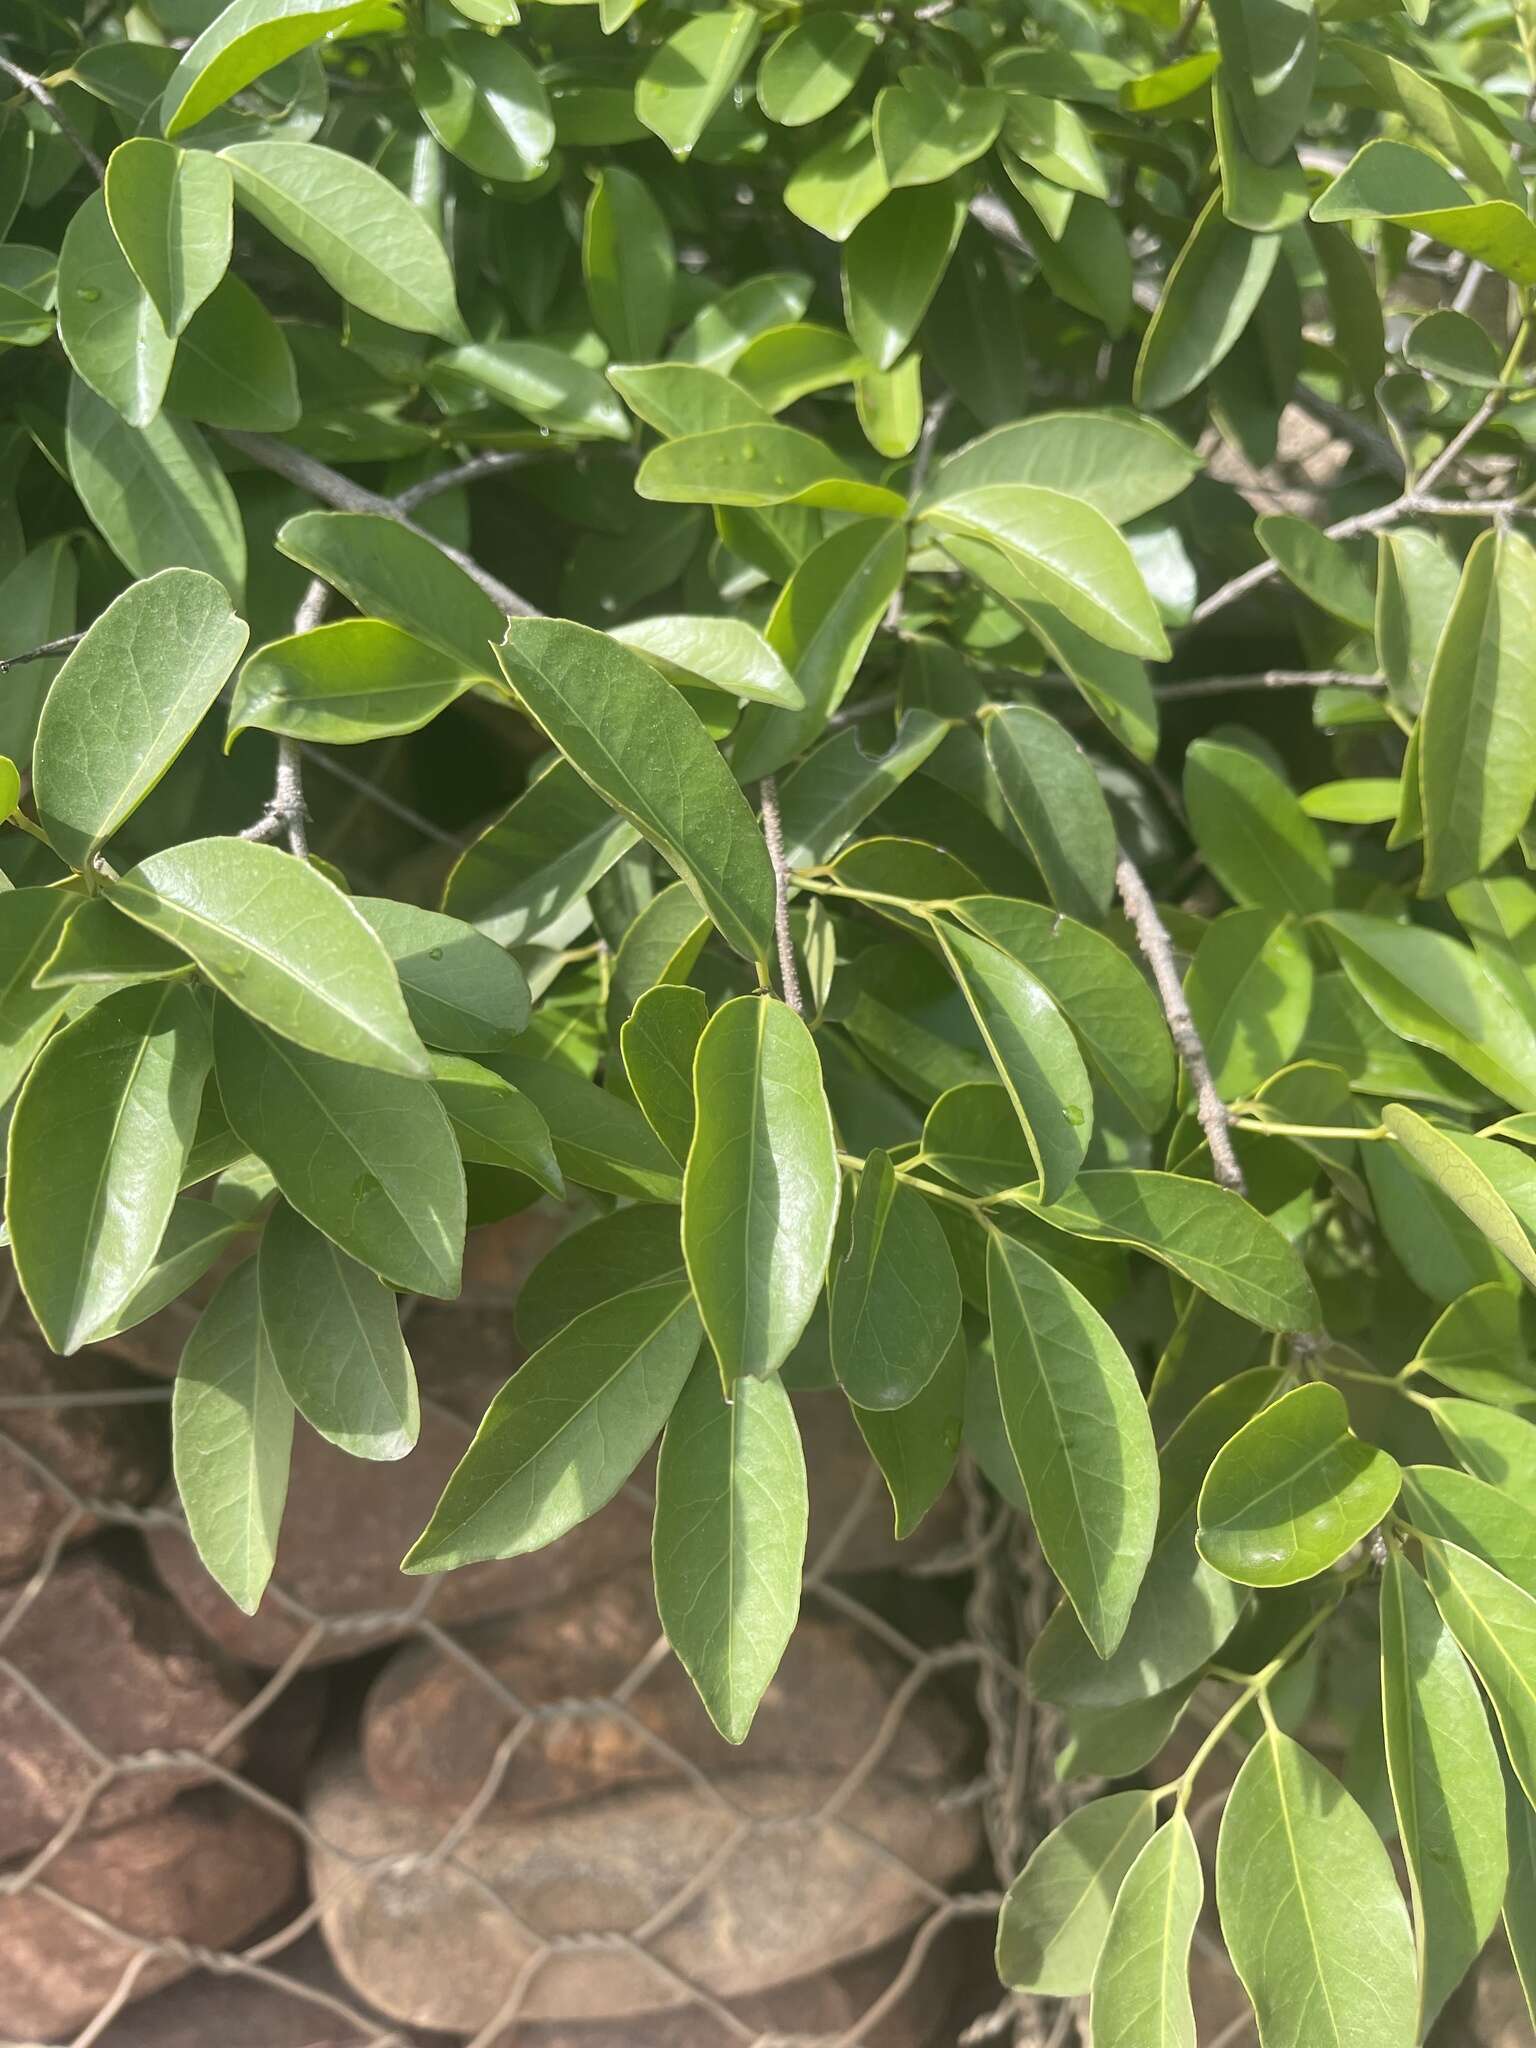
432,1723
117,1661
116,1452
219,2009
440,1943
208,1871
347,1525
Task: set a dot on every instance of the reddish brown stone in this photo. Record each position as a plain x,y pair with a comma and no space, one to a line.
230,2009
208,1871
433,1722
115,1452
118,1662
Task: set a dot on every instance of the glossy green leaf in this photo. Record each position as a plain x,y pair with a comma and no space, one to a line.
1491,1443
1462,1509
599,1139
931,126
1459,1167
392,574
661,945
1293,1491
37,604
892,266
1141,1985
1452,346
830,792
916,1446
629,264
1051,1931
246,39
98,1140
367,1157
731,1518
1494,1624
110,328
681,398
462,992
1257,840
277,938
1391,181
759,466
485,103
1054,140
197,1235
890,406
332,1331
342,683
840,184
813,66
1249,990
566,1430
1416,584
1208,299
1313,1919
554,390
126,702
727,654
1477,1348
689,76
1321,569
642,748
761,1188
718,333
1265,198
1080,1434
630,1247
1269,51
172,213
1054,798
495,1123
233,365
365,238
31,923
895,1296
231,1439
1117,462
658,1041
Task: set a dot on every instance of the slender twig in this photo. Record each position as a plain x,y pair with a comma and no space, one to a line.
350,778
332,488
50,106
1157,950
1270,679
1185,30
773,834
286,809
489,463
46,652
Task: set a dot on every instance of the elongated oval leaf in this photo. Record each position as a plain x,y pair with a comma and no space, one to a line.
390,573
1051,1931
658,1041
1141,1985
1209,297
495,1123
238,45
1054,798
351,680
599,1139
690,74
895,1296
1494,1622
1465,1510
172,213
31,924
462,991
111,331
1458,1166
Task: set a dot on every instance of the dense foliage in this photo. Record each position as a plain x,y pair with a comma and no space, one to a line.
801,513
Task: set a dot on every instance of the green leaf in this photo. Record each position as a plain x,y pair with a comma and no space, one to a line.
365,238
840,184
1033,1050
1497,1446
718,333
1494,1623
495,1123
172,213
1391,181
758,466
629,264
1067,554
691,74
99,944
1141,1985
233,365
197,1235
1470,140
37,604
830,792
1054,798
1293,1491
731,1517
333,1332
1055,141
1453,347
552,389
111,331
1314,1922
893,263
1208,298
98,1140
686,398
486,105
1356,800
1080,1434
1249,990
1116,462
661,945
1416,584
126,702
726,654
1447,1786
399,576
245,40
1520,1898
658,1041
367,1157
566,1430
761,1188
31,923
643,749
231,1439
157,496
342,683
890,407
1206,1233
1460,1508
1458,1166
895,1296
931,126
628,1248
600,1140
463,993
1258,842
1051,1931
1477,1348
813,66
1477,749
1106,1000
272,934
1261,197
1269,60
916,1446
1321,569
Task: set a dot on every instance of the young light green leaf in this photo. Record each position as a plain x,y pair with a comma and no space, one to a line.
1117,462
1477,1348
1293,1491
1462,1509
1458,1166
1390,180
342,683
1447,1786
547,386
813,67
600,1140
629,264
1033,1050
643,749
916,1446
280,940
390,573
366,1156
657,1042
110,328
463,993
126,702
248,38
893,263
1496,1445
728,654
1080,1434
486,104
1141,1985
690,75
566,1430
98,1141
838,185
895,1296
732,1512
233,365
495,1123
931,126
1054,798
1210,294
678,398
231,1439
661,945
829,793
761,1187
172,213
718,333
333,1332
1249,990
1259,843
1314,1922
1417,579
1051,1931
365,238
760,466
1494,1623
